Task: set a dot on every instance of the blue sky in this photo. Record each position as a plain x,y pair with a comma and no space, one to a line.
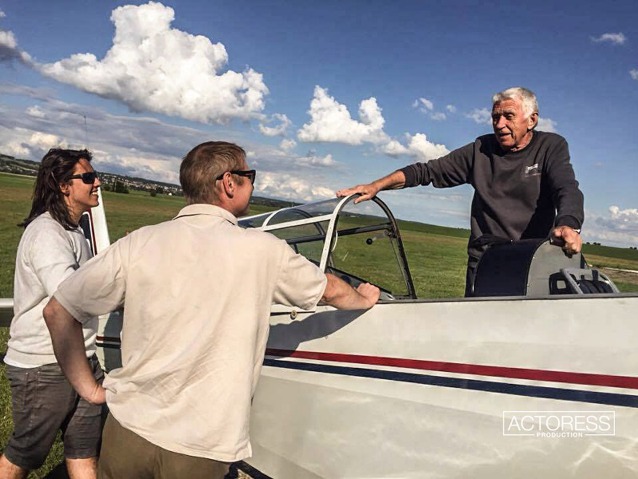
325,95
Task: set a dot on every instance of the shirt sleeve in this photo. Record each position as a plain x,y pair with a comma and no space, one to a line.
568,198
52,257
450,170
300,282
96,288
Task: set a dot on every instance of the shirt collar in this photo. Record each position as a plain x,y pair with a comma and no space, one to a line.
205,209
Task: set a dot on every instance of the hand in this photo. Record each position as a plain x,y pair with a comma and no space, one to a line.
367,192
370,292
97,395
568,238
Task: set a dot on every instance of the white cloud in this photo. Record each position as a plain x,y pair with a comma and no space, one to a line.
480,116
417,146
153,67
331,122
424,105
451,108
618,228
30,133
277,130
311,159
9,50
287,144
634,74
16,144
110,153
142,146
35,111
152,149
289,187
546,124
394,148
613,38
624,219
423,149
139,164
8,40
2,14
24,143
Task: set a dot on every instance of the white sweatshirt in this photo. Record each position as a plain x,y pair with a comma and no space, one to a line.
47,254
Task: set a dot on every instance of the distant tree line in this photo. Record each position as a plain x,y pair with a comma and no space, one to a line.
117,187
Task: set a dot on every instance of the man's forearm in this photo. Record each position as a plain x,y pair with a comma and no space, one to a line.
393,181
341,295
68,346
368,191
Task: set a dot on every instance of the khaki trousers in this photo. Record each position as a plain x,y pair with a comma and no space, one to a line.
125,455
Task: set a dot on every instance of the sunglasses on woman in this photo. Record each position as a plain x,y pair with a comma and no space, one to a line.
88,178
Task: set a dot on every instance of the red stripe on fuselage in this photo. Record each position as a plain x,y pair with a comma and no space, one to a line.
628,382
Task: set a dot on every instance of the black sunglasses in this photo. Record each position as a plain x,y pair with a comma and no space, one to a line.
87,178
250,174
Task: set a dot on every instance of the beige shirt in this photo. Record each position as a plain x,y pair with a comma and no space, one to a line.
197,293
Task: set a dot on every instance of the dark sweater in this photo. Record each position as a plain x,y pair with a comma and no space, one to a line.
517,195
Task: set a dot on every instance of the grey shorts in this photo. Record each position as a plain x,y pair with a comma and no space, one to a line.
44,402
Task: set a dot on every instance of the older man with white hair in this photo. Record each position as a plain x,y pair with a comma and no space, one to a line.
524,183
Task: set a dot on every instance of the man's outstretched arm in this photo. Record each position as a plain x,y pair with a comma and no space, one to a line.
68,346
341,295
393,181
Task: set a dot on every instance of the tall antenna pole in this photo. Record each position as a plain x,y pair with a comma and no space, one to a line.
86,134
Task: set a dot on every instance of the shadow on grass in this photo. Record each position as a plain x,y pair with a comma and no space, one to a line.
243,470
58,472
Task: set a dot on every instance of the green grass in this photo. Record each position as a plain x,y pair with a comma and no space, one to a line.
15,198
623,254
436,255
126,213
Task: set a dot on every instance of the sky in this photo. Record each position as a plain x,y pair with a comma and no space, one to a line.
325,95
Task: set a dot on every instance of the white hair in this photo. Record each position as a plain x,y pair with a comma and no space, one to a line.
525,96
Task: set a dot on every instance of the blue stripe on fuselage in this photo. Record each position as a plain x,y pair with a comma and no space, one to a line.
578,395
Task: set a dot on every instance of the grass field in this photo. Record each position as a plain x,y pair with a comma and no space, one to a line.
436,255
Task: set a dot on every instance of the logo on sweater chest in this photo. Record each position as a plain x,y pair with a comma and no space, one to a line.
532,170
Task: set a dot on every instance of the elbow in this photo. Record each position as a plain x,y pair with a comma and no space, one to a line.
49,311
336,290
52,313
330,292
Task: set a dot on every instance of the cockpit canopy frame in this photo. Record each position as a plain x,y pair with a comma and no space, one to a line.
359,242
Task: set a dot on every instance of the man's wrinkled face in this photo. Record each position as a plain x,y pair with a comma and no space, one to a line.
513,131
